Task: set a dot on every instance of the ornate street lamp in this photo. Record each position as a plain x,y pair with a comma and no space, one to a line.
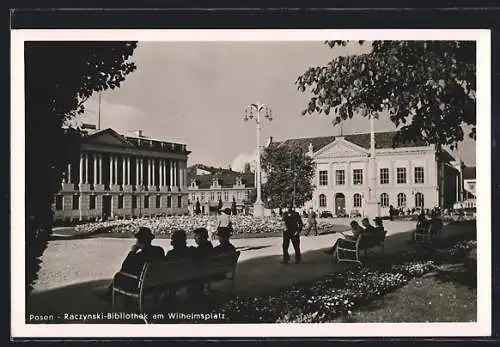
253,111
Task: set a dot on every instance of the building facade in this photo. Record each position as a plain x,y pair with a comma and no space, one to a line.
408,176
208,186
123,176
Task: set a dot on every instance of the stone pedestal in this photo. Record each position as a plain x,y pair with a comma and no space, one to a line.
68,187
372,209
174,189
99,187
258,209
164,189
114,187
127,188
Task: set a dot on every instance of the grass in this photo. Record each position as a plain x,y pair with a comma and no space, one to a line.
425,299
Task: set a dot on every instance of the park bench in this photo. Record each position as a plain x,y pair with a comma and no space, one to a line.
348,251
427,234
160,276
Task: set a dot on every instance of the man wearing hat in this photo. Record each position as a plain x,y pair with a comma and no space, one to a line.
204,246
225,245
141,252
179,247
293,224
366,224
224,220
379,224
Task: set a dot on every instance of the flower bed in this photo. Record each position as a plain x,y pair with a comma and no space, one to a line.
333,296
165,225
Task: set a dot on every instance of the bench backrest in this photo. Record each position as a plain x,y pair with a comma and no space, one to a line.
163,273
370,239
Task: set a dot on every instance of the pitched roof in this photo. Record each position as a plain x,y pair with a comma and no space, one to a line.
382,140
139,142
469,172
227,178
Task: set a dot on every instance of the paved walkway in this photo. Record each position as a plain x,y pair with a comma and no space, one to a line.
73,269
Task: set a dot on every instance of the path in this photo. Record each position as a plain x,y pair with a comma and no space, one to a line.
73,269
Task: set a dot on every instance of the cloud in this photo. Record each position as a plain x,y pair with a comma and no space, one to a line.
238,163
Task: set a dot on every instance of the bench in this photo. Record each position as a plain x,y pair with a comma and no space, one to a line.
428,234
160,276
348,250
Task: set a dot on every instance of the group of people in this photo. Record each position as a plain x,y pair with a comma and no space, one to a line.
357,230
143,251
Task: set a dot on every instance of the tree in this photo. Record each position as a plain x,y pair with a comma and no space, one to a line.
59,78
429,86
247,168
289,174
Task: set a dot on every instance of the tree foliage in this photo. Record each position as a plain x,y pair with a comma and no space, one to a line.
428,87
59,78
289,174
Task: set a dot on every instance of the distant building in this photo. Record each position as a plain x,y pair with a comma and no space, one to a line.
408,176
123,176
208,185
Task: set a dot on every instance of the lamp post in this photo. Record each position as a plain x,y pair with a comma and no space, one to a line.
253,111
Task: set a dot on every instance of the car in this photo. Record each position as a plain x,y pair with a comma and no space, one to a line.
326,214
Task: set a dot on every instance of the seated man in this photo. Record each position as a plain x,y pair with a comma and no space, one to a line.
366,224
356,231
142,252
204,246
225,245
379,224
179,247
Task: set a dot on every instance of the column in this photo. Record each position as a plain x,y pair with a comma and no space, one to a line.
110,169
128,170
141,172
181,174
153,171
149,172
115,160
95,168
100,168
174,164
81,169
124,174
69,174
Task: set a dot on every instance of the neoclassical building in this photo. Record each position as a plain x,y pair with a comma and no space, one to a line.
209,185
125,176
408,176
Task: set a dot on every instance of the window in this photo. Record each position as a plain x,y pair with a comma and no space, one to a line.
120,201
322,200
357,200
384,176
92,202
323,178
134,201
339,177
357,176
401,175
76,202
158,201
202,197
179,201
169,201
146,201
59,202
419,200
219,196
384,200
226,196
401,200
419,175
248,194
212,196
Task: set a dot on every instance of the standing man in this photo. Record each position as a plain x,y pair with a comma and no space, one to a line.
311,223
293,225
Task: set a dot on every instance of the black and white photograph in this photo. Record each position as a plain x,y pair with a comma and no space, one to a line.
251,182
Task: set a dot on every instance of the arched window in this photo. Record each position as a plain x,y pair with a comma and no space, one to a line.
401,200
419,200
384,200
357,200
322,200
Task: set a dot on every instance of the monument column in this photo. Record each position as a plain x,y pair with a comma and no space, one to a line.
116,169
69,174
171,171
372,206
81,169
124,168
100,168
95,168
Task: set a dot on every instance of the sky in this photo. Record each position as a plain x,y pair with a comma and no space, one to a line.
196,93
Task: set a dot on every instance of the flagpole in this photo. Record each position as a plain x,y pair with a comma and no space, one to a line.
99,114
